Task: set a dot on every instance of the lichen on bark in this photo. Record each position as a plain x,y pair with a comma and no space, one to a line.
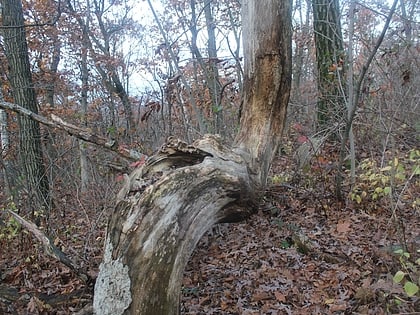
113,283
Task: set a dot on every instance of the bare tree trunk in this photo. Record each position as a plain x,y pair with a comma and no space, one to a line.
301,46
51,86
407,21
267,58
24,94
197,111
84,162
178,194
330,62
4,147
108,72
4,134
357,89
213,82
350,92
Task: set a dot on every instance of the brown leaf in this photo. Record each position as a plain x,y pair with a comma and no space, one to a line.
343,226
260,296
280,296
338,307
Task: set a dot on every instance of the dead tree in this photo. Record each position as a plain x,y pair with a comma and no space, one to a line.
167,204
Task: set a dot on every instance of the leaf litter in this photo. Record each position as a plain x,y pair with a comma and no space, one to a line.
302,253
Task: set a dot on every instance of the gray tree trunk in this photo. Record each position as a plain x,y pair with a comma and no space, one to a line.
30,149
213,81
84,76
167,204
330,63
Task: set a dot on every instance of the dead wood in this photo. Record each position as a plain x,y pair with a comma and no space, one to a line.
50,249
75,131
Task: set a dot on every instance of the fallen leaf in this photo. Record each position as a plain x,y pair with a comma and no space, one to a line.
338,307
343,226
260,296
280,297
329,301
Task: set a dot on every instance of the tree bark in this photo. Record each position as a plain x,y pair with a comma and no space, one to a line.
330,63
24,93
213,81
84,78
167,204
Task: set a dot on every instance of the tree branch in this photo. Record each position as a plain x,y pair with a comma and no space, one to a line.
50,248
75,131
50,23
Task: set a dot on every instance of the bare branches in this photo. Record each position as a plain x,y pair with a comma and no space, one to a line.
49,23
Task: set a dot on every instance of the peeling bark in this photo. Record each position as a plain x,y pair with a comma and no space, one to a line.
162,212
167,204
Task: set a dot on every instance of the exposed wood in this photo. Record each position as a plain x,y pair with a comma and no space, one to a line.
75,131
162,212
167,204
267,73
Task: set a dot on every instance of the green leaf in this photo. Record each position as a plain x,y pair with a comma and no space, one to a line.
410,288
285,244
398,251
400,176
414,154
398,276
387,190
378,190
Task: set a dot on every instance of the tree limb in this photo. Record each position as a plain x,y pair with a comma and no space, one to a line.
75,131
50,248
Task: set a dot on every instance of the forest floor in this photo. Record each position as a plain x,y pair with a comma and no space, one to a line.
302,253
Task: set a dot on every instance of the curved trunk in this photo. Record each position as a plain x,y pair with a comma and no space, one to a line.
178,194
161,214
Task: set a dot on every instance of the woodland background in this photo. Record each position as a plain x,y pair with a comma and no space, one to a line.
138,73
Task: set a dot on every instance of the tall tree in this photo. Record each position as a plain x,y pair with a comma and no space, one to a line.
16,49
84,78
213,73
4,146
330,59
167,204
105,32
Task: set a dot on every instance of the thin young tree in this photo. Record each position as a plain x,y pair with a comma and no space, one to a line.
167,204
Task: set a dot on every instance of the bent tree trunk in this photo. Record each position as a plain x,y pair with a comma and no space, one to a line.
167,204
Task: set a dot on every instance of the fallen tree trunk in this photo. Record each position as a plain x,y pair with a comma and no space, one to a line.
167,204
161,214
